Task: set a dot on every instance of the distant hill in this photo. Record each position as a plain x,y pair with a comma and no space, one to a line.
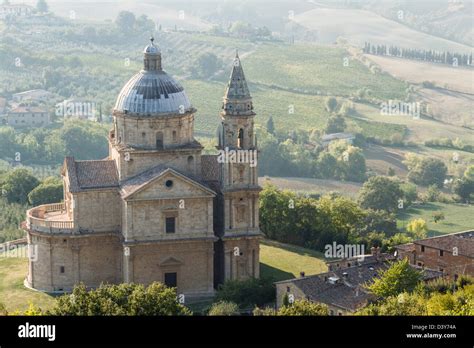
448,19
358,26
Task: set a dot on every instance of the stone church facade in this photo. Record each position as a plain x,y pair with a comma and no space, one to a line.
156,209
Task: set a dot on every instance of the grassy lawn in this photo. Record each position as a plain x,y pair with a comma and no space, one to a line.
457,217
13,293
282,261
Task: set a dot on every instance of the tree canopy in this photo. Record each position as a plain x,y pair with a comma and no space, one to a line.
400,277
380,193
124,299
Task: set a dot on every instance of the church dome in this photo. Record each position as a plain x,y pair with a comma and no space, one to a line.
152,91
152,49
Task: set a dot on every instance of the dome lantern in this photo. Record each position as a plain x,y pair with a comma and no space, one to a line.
152,57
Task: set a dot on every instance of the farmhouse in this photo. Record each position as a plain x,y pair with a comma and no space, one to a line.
341,289
38,95
329,138
26,116
15,10
451,254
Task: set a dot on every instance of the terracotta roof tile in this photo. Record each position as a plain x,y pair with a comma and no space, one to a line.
348,292
84,175
210,168
463,241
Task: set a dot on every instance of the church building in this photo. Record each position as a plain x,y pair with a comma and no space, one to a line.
156,209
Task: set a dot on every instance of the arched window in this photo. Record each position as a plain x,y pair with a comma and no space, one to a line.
174,136
190,163
159,140
240,139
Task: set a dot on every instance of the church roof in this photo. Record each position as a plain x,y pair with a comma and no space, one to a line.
237,99
85,175
152,91
237,86
210,168
136,183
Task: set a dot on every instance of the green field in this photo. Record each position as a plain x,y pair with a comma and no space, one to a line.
457,217
313,69
306,112
283,261
13,293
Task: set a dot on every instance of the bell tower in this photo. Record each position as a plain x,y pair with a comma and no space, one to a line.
239,185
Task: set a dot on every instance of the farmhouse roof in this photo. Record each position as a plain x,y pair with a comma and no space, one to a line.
348,291
28,109
334,136
463,241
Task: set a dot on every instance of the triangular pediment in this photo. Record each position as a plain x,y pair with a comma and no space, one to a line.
170,261
164,183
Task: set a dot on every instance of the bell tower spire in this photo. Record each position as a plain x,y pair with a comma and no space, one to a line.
237,99
237,129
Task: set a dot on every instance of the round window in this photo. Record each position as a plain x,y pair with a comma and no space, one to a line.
169,183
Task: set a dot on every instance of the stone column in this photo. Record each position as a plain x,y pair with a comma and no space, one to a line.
210,267
51,264
210,217
127,264
228,264
76,264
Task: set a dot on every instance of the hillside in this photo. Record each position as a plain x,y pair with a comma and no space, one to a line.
359,26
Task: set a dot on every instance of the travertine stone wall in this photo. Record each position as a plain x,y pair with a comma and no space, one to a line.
142,132
131,163
97,211
91,259
191,260
246,264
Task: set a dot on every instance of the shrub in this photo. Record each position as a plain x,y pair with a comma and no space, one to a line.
122,299
3,309
224,308
304,308
266,311
410,193
247,293
417,228
433,193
